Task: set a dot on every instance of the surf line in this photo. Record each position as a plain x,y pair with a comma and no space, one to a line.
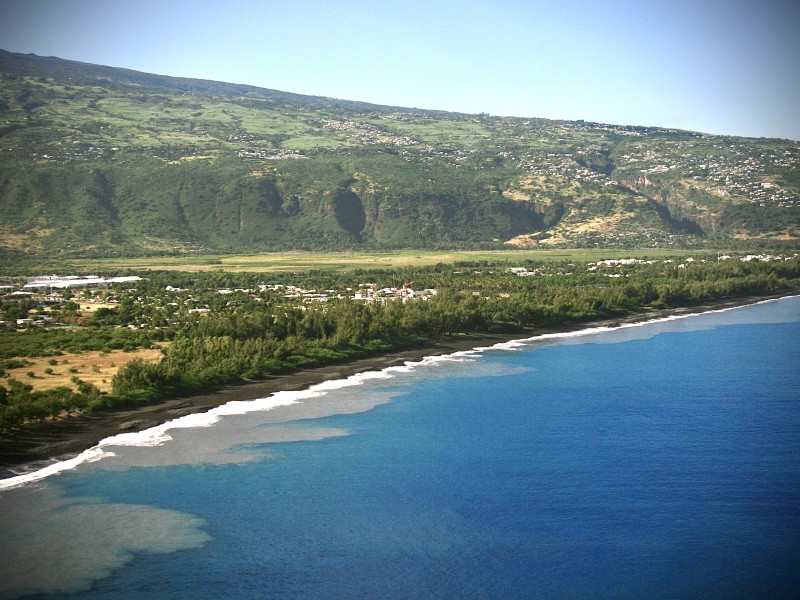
158,435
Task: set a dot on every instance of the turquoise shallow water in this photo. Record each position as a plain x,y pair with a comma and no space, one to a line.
656,461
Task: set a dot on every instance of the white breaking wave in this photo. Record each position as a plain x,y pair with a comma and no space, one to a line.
159,435
524,343
156,436
91,455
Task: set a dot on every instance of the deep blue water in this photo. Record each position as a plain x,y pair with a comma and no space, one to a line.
659,461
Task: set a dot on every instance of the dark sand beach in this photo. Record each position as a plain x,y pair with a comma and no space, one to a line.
68,437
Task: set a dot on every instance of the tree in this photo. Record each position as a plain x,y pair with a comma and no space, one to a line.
139,378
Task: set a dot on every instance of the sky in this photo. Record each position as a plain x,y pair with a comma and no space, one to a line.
716,66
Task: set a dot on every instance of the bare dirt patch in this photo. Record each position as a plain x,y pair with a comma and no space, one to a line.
526,240
604,224
517,195
90,307
13,241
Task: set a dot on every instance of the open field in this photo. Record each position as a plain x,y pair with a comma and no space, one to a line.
281,262
97,368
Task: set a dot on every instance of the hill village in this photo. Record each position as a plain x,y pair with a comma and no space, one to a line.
729,169
724,169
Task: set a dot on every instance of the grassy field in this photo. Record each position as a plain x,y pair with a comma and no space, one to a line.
97,368
341,262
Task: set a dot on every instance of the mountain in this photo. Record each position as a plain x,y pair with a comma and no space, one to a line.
98,161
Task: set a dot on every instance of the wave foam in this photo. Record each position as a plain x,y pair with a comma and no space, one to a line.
87,456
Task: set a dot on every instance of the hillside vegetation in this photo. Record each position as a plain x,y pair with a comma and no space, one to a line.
97,161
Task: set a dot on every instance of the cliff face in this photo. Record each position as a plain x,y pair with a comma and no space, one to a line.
102,210
691,207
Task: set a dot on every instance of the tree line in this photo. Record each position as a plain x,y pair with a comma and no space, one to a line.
249,340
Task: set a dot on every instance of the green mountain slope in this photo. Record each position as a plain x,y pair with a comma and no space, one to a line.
96,161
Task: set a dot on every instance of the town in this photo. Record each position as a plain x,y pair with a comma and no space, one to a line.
40,301
162,300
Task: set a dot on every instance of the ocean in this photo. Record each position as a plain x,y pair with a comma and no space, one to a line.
658,460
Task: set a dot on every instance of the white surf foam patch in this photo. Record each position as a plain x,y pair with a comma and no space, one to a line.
242,407
462,356
87,456
352,380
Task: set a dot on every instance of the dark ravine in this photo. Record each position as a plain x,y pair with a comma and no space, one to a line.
40,445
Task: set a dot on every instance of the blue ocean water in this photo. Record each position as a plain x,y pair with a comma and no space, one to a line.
655,461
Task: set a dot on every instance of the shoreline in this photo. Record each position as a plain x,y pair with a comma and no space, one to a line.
39,445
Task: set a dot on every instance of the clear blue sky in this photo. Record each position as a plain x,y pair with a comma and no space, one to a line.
718,66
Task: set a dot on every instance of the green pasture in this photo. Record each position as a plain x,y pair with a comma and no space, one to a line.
465,133
275,262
